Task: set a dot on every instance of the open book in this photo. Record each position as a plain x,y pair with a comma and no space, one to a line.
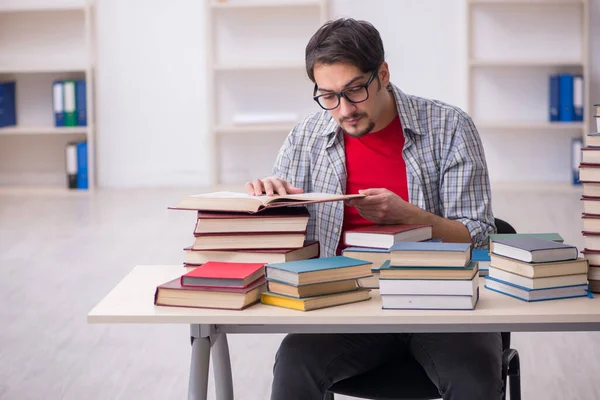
243,202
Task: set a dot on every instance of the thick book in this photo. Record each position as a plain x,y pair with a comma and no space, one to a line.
591,222
283,219
243,202
538,283
384,236
172,294
435,287
590,155
430,254
539,270
591,205
593,139
526,294
224,274
429,302
591,240
555,237
310,249
535,250
315,289
591,189
315,302
593,256
589,172
245,240
325,269
468,272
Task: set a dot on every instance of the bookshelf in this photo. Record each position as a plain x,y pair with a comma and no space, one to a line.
513,46
42,41
255,64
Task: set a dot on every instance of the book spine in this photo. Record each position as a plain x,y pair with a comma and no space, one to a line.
80,106
566,97
69,104
8,115
554,105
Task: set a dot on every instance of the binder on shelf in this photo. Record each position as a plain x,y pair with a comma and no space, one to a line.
82,166
58,91
554,98
8,111
566,112
80,103
69,103
71,164
576,145
578,98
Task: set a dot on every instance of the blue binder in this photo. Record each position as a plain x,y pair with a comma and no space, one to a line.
8,114
80,103
566,98
82,166
554,97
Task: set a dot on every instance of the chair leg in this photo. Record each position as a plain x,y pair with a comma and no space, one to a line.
328,396
515,387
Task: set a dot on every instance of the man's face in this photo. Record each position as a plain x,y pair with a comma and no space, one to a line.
356,119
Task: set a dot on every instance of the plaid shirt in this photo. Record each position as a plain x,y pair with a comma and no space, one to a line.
445,164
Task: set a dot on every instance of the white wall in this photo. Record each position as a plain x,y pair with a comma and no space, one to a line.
151,82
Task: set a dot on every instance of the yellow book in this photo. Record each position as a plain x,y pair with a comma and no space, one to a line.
315,302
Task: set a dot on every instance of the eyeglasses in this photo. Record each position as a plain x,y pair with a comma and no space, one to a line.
354,94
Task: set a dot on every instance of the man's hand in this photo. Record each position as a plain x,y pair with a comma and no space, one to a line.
382,206
270,186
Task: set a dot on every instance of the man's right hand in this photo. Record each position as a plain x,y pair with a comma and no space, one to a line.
270,186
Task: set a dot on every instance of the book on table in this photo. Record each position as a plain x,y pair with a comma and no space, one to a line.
243,202
540,282
426,287
414,272
313,289
173,294
325,269
532,249
555,237
527,294
539,270
224,274
246,240
310,249
315,302
443,255
429,302
384,236
281,219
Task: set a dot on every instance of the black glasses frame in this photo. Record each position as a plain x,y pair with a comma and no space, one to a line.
341,94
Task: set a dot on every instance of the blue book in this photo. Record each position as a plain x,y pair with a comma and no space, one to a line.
430,246
58,102
480,255
554,96
317,270
82,166
434,240
80,103
567,112
8,110
526,294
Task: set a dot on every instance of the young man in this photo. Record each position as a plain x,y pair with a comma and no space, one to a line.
418,161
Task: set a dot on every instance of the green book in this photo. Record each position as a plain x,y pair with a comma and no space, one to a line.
70,116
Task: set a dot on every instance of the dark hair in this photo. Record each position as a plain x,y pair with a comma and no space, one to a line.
345,40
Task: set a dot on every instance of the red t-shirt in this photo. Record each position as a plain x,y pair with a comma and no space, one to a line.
374,161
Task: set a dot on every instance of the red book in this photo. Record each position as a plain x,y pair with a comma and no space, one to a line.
385,236
224,274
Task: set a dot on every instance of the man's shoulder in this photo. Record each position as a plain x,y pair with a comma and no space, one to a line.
436,107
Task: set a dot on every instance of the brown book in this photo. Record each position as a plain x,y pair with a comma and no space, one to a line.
539,270
315,289
197,257
243,202
590,155
589,172
282,219
172,294
240,241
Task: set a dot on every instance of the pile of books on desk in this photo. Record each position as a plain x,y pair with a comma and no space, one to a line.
589,176
534,269
429,275
372,243
317,283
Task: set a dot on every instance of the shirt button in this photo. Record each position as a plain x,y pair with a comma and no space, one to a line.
336,230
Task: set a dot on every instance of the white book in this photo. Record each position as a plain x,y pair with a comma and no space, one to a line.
535,294
449,287
429,302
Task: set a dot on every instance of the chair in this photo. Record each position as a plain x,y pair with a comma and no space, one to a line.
385,382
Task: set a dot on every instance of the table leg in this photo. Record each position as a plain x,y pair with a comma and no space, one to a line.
198,383
222,367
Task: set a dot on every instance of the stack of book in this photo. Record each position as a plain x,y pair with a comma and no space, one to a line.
372,243
589,176
534,269
429,275
317,283
229,286
235,235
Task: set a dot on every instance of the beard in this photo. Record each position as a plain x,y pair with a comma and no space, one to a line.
355,130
